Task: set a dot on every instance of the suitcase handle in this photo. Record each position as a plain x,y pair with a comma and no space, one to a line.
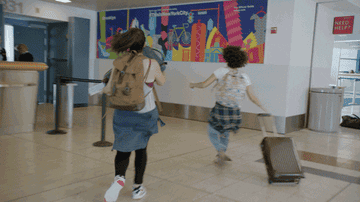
262,124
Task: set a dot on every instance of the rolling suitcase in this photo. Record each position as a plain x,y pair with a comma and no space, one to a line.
280,155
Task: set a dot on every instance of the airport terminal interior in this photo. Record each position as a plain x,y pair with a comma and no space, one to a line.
40,167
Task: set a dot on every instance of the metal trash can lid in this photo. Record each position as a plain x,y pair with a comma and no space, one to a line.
327,90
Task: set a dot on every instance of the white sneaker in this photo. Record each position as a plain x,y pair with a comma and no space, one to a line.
138,192
112,193
226,158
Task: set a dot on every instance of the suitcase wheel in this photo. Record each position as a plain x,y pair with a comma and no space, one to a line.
270,181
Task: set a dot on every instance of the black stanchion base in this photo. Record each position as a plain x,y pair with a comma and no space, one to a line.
102,144
56,132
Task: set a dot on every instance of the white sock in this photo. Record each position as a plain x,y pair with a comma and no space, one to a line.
113,192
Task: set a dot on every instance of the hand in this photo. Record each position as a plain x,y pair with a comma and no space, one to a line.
192,85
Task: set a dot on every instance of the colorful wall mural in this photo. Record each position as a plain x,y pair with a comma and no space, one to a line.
193,32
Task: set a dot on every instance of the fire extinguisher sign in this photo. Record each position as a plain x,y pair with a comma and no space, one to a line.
343,25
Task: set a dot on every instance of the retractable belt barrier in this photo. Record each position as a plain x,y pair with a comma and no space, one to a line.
61,80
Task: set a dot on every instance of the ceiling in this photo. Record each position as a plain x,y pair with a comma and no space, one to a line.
27,18
352,6
102,5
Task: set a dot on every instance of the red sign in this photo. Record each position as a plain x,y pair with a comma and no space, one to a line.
343,25
273,30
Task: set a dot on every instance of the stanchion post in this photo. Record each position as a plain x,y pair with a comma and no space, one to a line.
57,108
102,142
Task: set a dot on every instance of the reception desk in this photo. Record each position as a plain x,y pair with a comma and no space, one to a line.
18,96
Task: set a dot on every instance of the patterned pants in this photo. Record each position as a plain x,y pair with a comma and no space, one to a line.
220,141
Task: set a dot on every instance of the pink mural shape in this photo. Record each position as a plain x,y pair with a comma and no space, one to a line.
198,35
233,26
163,35
165,20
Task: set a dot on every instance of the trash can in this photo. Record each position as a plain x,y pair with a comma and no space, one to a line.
66,108
325,109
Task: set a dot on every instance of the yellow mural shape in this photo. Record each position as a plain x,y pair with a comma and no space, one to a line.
149,41
211,36
183,54
252,39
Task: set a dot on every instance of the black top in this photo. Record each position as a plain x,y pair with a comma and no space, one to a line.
26,57
3,54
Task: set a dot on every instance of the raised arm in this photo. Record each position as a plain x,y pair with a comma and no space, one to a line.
204,84
253,98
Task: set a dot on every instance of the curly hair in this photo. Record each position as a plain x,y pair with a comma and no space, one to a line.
235,57
132,41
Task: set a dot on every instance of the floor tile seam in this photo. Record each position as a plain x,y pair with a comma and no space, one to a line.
250,137
200,190
327,156
315,171
340,192
76,173
44,181
67,151
179,155
223,186
336,135
27,140
44,191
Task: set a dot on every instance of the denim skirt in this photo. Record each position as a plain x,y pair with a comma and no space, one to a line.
133,130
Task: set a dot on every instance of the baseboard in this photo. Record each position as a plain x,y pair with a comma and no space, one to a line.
249,120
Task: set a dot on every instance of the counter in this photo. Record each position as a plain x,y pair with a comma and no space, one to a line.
18,96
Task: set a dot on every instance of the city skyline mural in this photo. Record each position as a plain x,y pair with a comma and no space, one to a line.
191,32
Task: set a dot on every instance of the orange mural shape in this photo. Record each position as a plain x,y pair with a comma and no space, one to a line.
256,54
198,42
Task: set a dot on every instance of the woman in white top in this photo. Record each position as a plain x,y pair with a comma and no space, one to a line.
232,85
133,129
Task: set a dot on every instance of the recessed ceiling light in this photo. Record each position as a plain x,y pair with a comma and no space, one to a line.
64,1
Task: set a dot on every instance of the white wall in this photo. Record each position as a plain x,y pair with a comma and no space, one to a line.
281,83
300,57
62,13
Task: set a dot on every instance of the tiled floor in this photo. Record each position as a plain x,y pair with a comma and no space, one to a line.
41,167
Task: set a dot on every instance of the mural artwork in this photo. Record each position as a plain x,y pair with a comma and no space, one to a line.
194,32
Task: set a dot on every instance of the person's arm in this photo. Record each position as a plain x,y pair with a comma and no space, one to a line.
204,84
253,98
160,77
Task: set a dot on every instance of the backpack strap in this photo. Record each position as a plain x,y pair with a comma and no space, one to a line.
157,101
122,73
148,71
146,76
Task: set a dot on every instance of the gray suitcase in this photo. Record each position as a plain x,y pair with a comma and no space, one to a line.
280,155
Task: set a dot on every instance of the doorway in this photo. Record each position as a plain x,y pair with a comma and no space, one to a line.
38,35
335,54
